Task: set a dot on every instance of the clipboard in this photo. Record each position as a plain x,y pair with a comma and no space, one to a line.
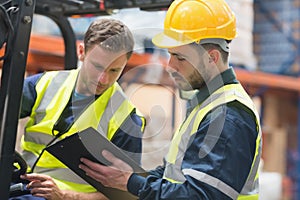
89,143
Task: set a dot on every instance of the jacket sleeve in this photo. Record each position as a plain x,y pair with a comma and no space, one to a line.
129,137
29,95
222,148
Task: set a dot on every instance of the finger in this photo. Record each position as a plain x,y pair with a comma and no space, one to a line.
86,161
34,184
40,192
116,162
34,176
109,156
97,175
92,165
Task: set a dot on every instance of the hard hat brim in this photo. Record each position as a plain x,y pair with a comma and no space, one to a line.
162,40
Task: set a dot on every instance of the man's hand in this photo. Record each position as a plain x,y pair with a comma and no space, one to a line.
43,186
115,176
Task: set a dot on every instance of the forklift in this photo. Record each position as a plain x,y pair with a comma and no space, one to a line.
16,18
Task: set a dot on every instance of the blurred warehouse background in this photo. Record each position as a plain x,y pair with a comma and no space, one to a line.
266,56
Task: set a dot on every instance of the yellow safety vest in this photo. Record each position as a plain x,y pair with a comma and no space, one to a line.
174,172
54,89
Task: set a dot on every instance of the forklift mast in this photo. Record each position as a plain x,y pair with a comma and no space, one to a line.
16,21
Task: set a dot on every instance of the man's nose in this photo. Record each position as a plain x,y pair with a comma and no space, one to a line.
172,65
103,78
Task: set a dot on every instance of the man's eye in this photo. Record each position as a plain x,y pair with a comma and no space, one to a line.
115,70
180,58
100,68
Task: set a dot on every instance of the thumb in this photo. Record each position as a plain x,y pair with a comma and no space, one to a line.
116,162
109,156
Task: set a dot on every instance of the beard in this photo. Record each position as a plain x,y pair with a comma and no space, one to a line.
192,82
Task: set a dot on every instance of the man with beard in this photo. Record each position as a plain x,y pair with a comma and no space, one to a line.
216,151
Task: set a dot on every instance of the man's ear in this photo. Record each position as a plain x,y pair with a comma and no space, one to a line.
214,56
80,52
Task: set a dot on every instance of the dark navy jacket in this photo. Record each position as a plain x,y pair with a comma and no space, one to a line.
230,159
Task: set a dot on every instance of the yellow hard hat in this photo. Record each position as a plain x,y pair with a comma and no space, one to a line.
189,21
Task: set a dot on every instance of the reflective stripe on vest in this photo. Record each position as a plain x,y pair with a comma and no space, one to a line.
112,111
179,144
106,114
53,88
61,173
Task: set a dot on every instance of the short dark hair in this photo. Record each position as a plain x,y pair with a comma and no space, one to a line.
111,34
210,46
